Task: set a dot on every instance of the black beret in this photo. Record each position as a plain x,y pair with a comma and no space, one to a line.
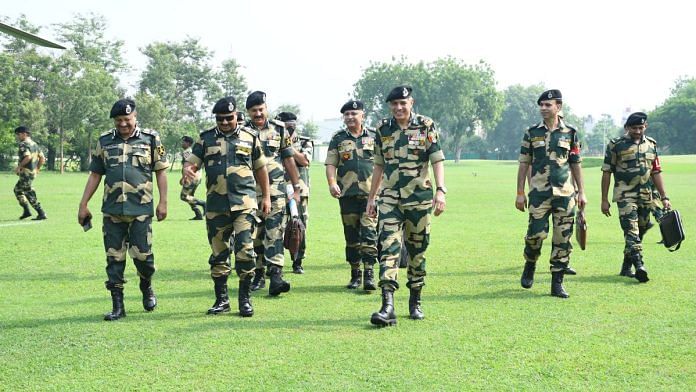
187,139
240,116
637,118
255,98
399,92
352,105
550,94
286,116
225,105
21,129
123,107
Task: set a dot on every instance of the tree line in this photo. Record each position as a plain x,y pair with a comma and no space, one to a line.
62,97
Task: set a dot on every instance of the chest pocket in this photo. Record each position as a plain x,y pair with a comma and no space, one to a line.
141,157
112,156
272,142
629,161
416,145
388,147
242,153
561,150
213,155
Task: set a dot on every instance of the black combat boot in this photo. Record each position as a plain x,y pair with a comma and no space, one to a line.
26,213
297,267
626,267
369,279
259,281
557,289
222,300
386,315
118,310
354,279
527,279
202,204
198,214
278,285
641,273
414,301
149,299
245,308
41,214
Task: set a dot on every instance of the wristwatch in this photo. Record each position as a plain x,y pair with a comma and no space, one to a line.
442,189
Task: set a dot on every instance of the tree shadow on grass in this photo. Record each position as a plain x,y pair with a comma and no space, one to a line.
232,320
611,279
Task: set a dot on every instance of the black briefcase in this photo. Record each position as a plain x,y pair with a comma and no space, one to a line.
672,230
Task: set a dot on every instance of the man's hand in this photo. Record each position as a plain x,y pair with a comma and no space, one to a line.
189,174
335,190
18,170
83,214
266,205
666,204
439,203
521,202
161,211
371,209
582,200
606,206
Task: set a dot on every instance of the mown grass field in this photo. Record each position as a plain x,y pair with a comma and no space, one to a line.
482,330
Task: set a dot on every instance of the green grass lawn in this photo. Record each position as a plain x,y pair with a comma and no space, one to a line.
482,330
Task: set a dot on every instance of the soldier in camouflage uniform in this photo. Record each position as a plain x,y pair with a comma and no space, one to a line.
404,146
277,147
188,187
127,155
304,148
31,158
552,149
349,164
234,165
634,162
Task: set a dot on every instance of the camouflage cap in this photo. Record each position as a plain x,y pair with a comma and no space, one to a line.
225,105
255,98
399,92
122,107
352,105
550,94
637,118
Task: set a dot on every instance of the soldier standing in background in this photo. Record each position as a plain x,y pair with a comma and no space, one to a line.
634,162
404,146
127,155
552,149
31,158
304,148
277,147
234,165
188,187
349,164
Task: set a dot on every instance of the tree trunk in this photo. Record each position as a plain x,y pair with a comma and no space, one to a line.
60,150
457,152
51,158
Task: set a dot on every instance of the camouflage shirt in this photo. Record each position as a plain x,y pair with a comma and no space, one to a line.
276,146
184,158
229,161
354,158
128,166
305,146
404,154
550,154
28,147
632,165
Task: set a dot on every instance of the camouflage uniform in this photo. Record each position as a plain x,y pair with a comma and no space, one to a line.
127,203
23,190
188,189
552,190
354,159
634,192
406,195
230,161
306,147
276,146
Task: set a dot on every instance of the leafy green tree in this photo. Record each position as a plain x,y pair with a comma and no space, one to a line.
310,129
231,82
604,129
673,124
84,35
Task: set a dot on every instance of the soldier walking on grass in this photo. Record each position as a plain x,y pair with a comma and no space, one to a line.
188,187
31,158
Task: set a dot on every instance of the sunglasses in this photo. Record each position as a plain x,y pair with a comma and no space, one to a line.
222,119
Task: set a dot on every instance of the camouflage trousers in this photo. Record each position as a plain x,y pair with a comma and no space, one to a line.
304,217
127,233
634,219
562,210
359,231
24,192
240,226
268,242
414,221
188,194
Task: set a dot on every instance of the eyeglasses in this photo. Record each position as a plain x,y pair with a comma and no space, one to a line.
222,119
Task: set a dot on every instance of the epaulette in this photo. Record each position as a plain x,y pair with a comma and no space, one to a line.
338,132
149,131
651,139
423,120
203,132
537,125
109,132
382,123
570,126
304,138
250,131
277,122
615,140
371,131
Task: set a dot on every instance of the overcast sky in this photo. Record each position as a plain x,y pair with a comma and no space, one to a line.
604,56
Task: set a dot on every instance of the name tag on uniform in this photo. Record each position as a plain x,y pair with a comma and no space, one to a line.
246,145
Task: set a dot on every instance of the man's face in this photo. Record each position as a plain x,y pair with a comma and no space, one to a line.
353,118
21,136
636,132
258,114
226,122
125,124
401,108
185,144
291,125
549,109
